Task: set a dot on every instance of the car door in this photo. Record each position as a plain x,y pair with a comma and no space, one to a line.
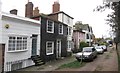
94,52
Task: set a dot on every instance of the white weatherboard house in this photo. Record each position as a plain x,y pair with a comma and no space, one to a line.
19,40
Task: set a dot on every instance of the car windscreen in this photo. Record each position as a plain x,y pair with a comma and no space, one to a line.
87,49
97,47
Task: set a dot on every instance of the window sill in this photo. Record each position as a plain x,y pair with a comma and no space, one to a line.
60,33
50,32
18,51
49,53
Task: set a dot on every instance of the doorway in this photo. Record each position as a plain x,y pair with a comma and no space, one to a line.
58,49
34,45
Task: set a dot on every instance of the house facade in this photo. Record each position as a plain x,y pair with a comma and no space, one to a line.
20,39
78,36
66,19
88,34
53,38
56,33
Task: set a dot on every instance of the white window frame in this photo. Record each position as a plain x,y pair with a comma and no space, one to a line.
24,48
51,47
60,29
69,45
52,26
69,30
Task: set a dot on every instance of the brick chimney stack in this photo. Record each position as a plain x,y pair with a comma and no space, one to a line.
56,6
36,12
29,9
13,11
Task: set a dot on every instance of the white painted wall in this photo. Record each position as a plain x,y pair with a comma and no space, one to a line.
64,18
68,21
19,28
0,22
60,17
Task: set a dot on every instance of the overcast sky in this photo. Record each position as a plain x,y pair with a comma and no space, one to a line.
80,10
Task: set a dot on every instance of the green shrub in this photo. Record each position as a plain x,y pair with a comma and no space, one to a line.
103,43
83,44
69,54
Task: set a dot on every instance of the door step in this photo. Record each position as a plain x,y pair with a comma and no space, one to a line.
37,60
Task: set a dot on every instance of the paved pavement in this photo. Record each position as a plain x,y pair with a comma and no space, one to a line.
50,66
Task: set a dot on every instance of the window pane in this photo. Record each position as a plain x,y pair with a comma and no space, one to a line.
60,28
49,48
17,43
50,26
69,31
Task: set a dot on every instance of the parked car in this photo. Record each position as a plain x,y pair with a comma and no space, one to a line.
104,47
88,53
110,45
99,49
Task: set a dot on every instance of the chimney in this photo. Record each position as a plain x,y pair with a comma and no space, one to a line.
29,9
36,12
56,6
13,11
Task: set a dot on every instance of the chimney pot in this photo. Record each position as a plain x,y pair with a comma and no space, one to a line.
13,11
29,9
56,7
36,12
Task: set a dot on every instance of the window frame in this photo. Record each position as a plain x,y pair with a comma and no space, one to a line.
51,47
21,46
69,30
52,27
87,36
61,29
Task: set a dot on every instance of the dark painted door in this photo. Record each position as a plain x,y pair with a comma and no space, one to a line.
58,49
34,45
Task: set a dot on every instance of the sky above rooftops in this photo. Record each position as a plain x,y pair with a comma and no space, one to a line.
81,10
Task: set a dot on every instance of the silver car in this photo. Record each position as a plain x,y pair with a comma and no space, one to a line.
99,49
88,53
104,47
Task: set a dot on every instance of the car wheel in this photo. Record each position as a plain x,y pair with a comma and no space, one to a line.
96,56
102,52
79,60
91,59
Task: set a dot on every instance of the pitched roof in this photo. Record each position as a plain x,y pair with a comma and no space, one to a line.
46,16
19,18
60,12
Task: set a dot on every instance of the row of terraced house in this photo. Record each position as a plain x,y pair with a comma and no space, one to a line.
36,38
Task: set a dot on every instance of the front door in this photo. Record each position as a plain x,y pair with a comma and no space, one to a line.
34,45
58,49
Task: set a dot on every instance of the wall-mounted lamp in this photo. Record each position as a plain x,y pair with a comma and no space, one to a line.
7,26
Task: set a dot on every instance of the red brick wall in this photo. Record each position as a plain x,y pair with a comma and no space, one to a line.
56,7
29,9
54,17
